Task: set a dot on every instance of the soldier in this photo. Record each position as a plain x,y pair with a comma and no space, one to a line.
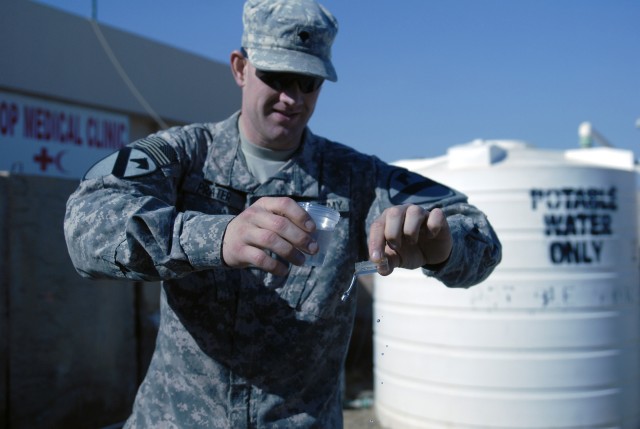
250,336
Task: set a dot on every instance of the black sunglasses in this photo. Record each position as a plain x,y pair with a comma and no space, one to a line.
280,81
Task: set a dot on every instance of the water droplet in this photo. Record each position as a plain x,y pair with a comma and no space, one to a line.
382,353
378,320
346,294
371,421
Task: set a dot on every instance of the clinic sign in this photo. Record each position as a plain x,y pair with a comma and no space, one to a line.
45,138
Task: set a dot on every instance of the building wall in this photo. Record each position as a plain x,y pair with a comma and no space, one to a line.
73,351
71,344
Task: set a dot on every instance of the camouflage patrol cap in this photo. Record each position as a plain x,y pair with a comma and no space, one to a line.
290,36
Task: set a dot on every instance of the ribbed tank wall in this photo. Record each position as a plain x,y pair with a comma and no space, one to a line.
550,340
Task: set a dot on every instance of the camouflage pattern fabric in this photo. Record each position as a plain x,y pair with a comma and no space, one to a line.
241,348
290,36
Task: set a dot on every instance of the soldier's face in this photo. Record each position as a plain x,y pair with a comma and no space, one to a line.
277,107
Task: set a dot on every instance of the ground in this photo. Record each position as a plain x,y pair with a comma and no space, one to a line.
361,419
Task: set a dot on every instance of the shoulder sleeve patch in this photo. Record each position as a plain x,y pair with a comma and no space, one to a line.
410,188
140,158
127,162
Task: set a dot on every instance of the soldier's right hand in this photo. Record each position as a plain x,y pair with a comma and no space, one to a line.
271,224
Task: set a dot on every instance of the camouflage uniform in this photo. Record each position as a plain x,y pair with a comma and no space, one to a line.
241,348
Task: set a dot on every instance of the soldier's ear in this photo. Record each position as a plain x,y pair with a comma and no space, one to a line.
239,67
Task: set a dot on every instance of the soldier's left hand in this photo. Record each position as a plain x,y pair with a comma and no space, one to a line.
410,237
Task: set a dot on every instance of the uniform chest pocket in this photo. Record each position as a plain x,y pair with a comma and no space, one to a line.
309,296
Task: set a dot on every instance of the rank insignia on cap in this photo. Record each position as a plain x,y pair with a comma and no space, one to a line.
406,188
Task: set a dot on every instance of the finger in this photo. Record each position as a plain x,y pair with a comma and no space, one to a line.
260,259
436,223
289,209
386,265
414,220
439,243
377,241
270,241
240,251
285,230
394,226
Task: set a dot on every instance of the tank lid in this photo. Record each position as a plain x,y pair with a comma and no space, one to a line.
480,154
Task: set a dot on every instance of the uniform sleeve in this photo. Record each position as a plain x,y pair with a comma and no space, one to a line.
476,248
122,222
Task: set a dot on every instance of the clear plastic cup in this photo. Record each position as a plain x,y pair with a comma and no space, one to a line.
326,220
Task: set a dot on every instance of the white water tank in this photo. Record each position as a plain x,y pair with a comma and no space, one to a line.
550,339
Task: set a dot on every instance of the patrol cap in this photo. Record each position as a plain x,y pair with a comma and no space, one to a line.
290,36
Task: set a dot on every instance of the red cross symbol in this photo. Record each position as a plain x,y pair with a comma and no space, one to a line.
43,159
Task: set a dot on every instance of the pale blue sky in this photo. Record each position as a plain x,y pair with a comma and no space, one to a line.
419,76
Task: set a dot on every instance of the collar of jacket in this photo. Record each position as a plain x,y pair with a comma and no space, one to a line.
297,178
